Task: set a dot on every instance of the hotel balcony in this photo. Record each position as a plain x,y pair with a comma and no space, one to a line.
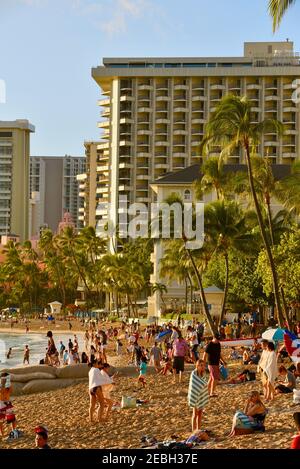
271,98
180,132
271,143
126,120
163,98
104,102
217,87
101,168
289,86
145,109
104,124
289,155
143,199
103,146
143,177
161,165
144,132
271,86
143,165
105,113
162,121
196,143
101,190
180,109
181,87
125,143
291,132
125,165
253,86
124,187
145,87
198,121
142,154
199,98
162,143
290,109
126,98
179,155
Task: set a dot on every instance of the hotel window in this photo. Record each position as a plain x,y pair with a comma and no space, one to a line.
187,195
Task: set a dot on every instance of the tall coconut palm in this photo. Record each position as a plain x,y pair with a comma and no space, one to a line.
277,9
226,227
288,190
161,288
213,178
232,125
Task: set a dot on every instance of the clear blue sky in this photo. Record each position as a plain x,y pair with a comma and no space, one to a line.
47,49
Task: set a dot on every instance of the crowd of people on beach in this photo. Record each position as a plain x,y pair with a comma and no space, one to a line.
168,348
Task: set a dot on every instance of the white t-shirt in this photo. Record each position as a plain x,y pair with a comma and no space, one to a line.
71,360
98,378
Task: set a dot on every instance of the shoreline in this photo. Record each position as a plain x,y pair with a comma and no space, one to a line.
7,330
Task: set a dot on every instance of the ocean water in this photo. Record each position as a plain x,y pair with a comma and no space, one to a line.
37,345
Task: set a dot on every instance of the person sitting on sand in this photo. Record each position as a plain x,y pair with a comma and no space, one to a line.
166,366
296,438
84,358
142,369
234,355
198,394
289,381
251,419
245,355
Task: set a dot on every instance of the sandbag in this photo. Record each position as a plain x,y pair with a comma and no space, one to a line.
22,370
30,376
17,389
73,371
40,385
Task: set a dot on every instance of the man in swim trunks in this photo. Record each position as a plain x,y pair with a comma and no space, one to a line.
213,355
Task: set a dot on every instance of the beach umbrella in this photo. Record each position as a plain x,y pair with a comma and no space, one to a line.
275,335
163,335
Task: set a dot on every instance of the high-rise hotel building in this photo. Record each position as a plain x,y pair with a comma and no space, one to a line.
14,177
154,112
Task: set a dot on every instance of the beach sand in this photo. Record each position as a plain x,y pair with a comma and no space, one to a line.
65,412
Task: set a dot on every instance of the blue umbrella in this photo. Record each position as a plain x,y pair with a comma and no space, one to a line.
275,335
162,335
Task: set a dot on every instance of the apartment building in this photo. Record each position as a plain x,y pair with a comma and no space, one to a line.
54,179
90,185
14,177
154,112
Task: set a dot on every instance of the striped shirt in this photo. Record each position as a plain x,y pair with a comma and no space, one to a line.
198,391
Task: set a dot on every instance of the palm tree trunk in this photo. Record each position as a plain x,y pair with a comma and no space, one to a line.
225,289
186,292
269,212
202,293
264,237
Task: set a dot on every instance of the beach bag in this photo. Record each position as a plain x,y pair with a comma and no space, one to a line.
296,397
128,402
250,376
224,372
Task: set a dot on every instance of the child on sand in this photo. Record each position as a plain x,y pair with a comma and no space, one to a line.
6,407
143,370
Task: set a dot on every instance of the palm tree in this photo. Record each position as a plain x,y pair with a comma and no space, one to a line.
288,190
213,178
161,288
226,227
277,9
230,126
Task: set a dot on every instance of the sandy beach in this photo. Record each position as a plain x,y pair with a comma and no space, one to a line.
65,412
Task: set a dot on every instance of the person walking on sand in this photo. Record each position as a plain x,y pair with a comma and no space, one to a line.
213,355
96,381
26,355
262,365
179,351
271,371
198,394
142,369
156,354
8,355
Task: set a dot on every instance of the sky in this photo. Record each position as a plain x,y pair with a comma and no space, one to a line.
48,47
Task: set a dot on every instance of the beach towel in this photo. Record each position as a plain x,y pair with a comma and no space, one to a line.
198,391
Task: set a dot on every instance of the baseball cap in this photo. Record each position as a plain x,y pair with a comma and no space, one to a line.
41,429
